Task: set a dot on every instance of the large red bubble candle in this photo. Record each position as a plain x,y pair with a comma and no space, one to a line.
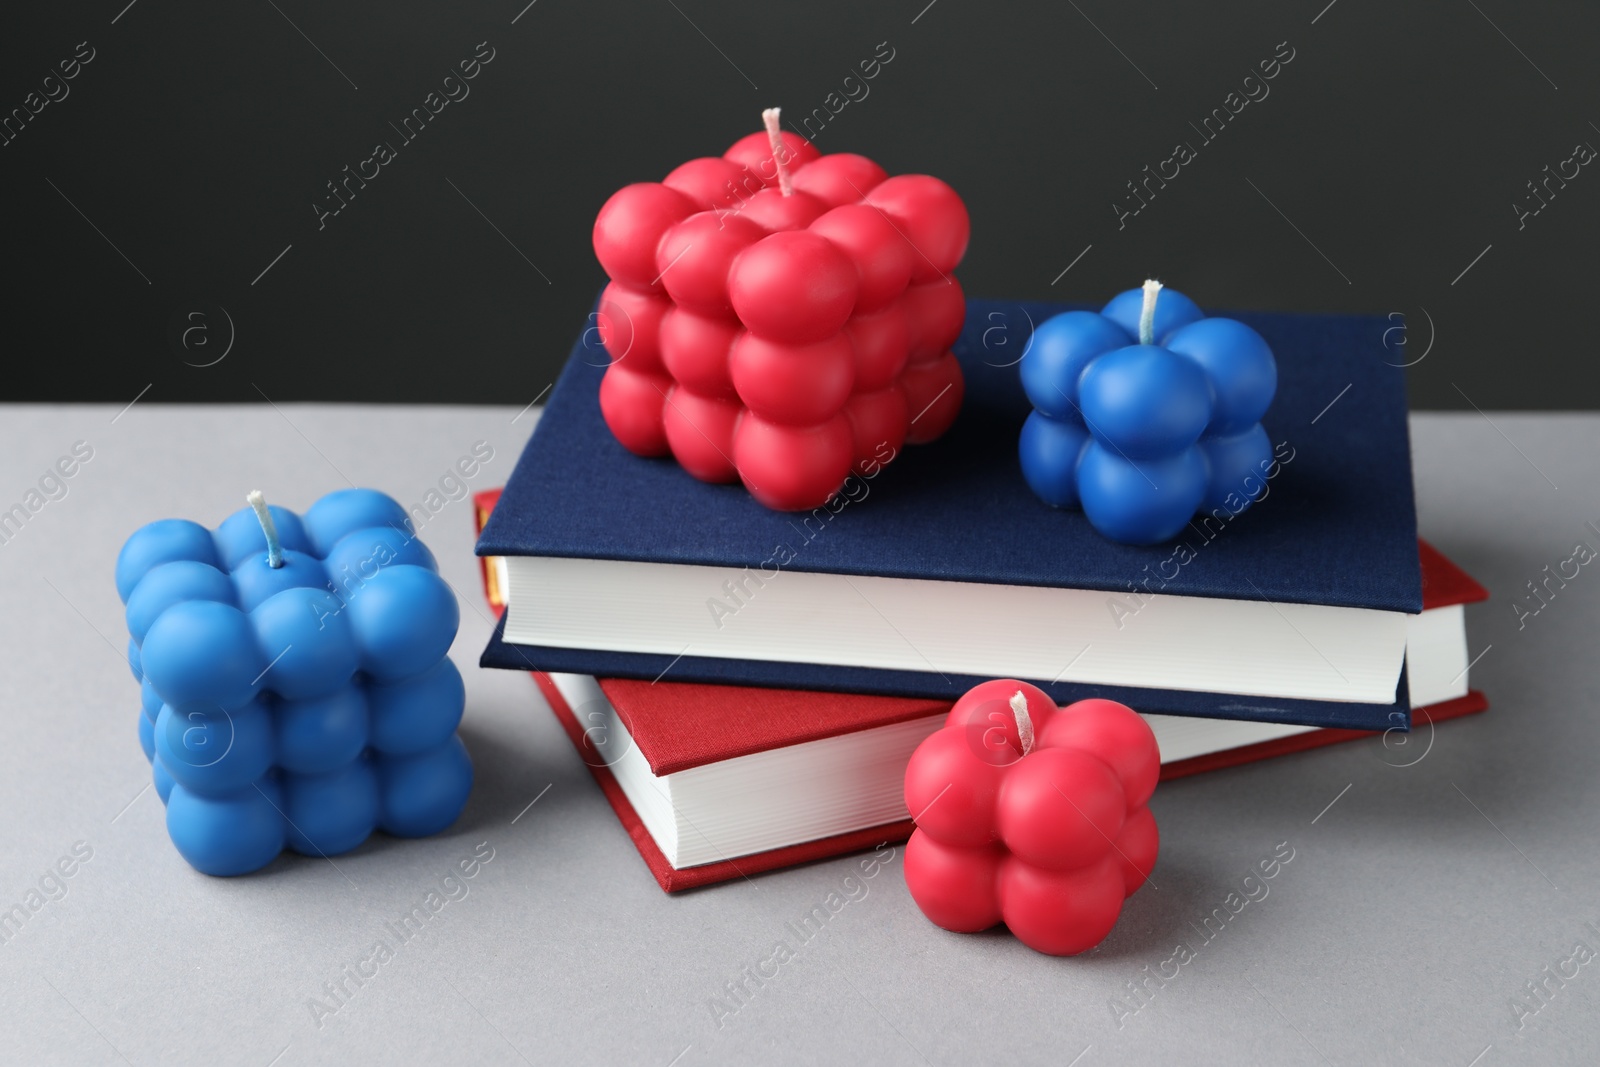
1032,815
781,317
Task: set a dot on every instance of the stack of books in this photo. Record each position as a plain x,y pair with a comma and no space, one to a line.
748,685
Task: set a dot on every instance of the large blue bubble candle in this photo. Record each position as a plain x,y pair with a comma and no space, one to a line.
1146,413
295,686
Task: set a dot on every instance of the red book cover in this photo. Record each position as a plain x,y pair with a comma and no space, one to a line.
482,504
672,879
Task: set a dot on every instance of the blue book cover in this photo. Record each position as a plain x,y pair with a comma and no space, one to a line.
710,670
1337,527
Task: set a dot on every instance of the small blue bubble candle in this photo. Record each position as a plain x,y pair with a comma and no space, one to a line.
294,680
1146,413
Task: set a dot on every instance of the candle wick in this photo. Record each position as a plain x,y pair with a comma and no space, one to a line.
780,151
1147,313
268,527
1019,711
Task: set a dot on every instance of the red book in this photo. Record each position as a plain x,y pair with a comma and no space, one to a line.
705,777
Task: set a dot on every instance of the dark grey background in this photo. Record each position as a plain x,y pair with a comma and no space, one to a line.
1384,163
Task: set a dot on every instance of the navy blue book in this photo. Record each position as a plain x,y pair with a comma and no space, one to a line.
944,569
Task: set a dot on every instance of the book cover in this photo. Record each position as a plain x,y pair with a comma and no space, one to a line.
870,681
672,879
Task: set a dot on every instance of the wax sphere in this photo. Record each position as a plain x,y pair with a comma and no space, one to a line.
227,835
1059,807
1239,364
798,384
1137,847
417,716
795,287
1050,449
956,888
1061,913
881,256
160,778
935,311
695,348
629,227
632,405
1061,348
793,468
422,794
933,393
985,717
319,733
167,584
773,212
306,635
256,581
215,751
201,654
879,422
693,258
711,182
333,812
629,324
360,554
933,219
403,621
840,178
881,342
700,433
1140,502
1239,467
1173,310
344,510
1145,401
754,153
1123,742
951,797
162,541
239,537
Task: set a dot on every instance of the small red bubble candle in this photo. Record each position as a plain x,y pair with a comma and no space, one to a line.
1032,815
781,317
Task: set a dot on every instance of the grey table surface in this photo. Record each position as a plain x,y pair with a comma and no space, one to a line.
1432,886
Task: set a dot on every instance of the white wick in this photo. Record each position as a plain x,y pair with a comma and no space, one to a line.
268,527
1019,709
1147,314
780,151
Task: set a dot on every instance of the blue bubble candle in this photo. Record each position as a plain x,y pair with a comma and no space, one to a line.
1146,413
294,680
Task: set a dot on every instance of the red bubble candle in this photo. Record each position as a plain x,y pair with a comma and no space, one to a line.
780,317
1032,815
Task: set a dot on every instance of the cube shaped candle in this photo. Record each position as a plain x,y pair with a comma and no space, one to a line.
1032,815
1146,413
781,317
294,680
